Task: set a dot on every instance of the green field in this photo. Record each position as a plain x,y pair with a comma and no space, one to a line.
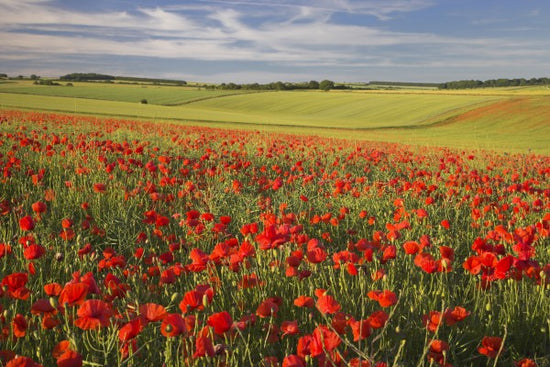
509,119
155,94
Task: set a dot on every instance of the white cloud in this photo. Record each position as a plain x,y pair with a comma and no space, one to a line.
286,33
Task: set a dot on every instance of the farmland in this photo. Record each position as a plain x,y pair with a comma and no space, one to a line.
419,117
127,242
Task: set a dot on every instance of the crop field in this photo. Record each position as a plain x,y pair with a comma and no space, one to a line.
514,119
161,95
134,243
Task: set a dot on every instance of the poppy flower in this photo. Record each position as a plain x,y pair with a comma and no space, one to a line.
99,187
19,326
43,307
151,312
69,359
203,347
304,301
361,329
26,223
289,327
221,322
73,294
490,346
130,330
432,320
34,251
455,315
172,325
5,250
92,314
293,361
327,304
61,348
385,298
437,352
22,362
52,289
324,340
411,247
378,319
39,207
525,362
267,308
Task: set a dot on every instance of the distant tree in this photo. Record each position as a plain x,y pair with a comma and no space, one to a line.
313,84
326,85
143,101
34,77
3,75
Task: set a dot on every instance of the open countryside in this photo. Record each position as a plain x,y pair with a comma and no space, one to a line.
297,183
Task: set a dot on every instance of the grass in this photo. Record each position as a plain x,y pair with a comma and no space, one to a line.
503,119
140,214
161,95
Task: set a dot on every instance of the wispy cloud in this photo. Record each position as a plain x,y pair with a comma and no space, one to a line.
285,33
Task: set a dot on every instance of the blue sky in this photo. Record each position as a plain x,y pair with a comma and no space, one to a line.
288,40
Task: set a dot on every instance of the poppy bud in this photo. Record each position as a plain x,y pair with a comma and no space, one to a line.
175,296
205,300
53,302
488,307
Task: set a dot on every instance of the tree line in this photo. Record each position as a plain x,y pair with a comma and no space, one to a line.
492,83
313,84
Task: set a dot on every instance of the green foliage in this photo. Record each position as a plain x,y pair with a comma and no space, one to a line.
326,85
80,77
493,83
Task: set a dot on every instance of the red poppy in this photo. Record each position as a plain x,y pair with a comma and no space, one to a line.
5,250
19,326
411,247
437,352
267,308
26,223
43,307
22,362
92,314
69,359
191,300
455,315
130,330
61,348
203,347
221,322
491,346
151,312
378,319
447,252
34,251
324,340
172,325
526,362
432,321
385,298
361,329
73,294
100,187
39,207
52,289
327,304
304,301
293,361
289,327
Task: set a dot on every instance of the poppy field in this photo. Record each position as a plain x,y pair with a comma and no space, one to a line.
147,244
